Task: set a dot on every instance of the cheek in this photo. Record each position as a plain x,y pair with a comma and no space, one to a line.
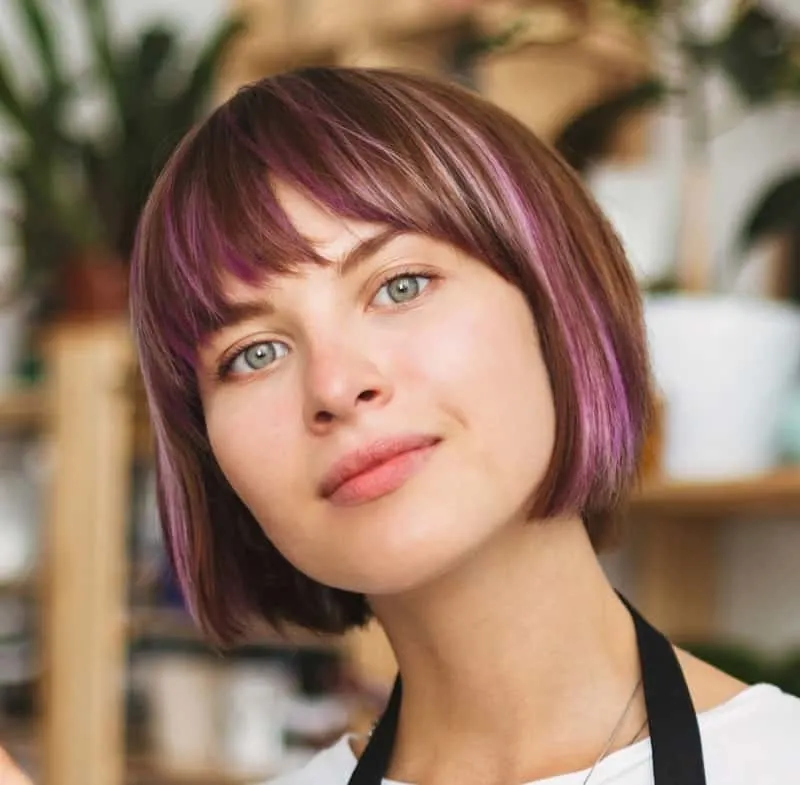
487,359
253,436
485,369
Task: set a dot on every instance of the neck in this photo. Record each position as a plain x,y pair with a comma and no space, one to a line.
516,666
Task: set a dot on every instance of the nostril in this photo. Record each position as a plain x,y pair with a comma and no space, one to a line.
368,395
323,417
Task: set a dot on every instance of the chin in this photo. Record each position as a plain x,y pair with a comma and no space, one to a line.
382,580
388,554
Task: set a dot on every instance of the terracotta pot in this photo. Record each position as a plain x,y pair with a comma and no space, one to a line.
94,285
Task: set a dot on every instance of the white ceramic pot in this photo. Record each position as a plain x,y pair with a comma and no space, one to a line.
725,366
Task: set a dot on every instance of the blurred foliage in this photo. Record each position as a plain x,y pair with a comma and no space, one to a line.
750,666
777,209
758,52
590,134
776,213
80,190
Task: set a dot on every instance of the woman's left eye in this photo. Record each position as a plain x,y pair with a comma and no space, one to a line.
402,289
253,358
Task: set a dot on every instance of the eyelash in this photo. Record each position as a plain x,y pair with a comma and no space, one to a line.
223,371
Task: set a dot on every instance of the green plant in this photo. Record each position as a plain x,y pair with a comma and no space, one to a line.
80,190
751,666
758,52
776,213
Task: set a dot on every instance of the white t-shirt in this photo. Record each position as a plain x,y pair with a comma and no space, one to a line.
753,739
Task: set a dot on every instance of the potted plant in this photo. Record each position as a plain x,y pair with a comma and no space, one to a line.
80,191
725,363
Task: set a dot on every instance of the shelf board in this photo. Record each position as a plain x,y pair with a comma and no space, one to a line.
769,496
22,408
22,588
147,771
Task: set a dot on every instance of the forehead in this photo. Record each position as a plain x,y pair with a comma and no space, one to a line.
331,236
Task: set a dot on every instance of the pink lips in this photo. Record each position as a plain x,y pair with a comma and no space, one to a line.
375,470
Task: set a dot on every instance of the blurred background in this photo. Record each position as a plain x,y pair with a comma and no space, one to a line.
682,116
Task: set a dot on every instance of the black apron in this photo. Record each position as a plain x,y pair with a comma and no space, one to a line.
674,732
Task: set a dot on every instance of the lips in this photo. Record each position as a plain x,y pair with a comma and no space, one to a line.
348,478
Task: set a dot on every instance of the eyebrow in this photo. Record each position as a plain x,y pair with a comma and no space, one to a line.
235,313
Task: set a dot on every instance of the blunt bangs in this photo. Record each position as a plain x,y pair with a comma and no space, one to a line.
419,155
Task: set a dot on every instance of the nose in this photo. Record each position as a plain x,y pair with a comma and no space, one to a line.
341,385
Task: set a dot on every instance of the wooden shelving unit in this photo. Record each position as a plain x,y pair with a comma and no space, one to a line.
768,496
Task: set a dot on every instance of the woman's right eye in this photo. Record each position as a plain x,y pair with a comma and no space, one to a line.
253,358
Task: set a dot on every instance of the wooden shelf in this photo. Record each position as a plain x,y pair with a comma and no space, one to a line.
24,588
147,771
767,496
21,409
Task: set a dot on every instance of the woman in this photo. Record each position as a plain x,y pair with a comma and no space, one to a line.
396,366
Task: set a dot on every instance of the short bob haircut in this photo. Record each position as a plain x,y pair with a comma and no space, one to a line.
421,155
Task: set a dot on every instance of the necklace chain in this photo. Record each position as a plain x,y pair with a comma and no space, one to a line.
616,730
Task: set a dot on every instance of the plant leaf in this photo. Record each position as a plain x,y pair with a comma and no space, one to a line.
586,137
755,54
167,101
776,210
198,86
11,103
96,17
154,49
40,32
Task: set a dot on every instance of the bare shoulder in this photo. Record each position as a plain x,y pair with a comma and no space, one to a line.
709,686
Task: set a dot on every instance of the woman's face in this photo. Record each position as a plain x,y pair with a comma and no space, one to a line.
384,417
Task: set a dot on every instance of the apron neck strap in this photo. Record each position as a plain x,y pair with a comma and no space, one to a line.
674,730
